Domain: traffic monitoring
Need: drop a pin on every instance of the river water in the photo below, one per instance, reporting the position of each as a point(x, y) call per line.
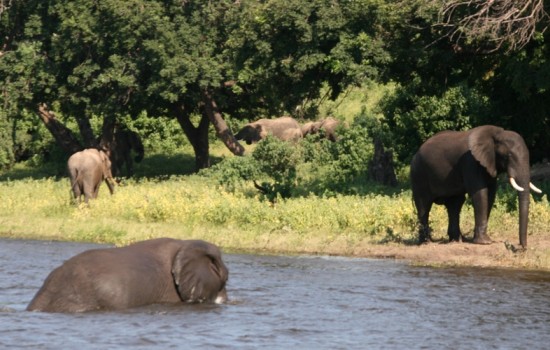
point(281, 302)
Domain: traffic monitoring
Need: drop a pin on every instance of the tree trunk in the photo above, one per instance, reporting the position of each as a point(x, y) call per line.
point(222, 131)
point(86, 131)
point(63, 136)
point(198, 136)
point(107, 139)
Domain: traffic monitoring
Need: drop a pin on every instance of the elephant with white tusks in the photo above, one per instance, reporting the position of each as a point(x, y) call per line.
point(87, 169)
point(452, 163)
point(283, 128)
point(162, 270)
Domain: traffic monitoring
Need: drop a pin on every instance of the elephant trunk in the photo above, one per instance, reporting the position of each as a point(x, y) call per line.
point(523, 198)
point(520, 181)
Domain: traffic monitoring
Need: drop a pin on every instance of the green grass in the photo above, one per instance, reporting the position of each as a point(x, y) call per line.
point(191, 206)
point(165, 198)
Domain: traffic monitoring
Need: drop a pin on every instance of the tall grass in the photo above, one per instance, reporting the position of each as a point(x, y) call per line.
point(195, 207)
point(321, 202)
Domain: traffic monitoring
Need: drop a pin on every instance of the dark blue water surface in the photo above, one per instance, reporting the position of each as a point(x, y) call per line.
point(280, 302)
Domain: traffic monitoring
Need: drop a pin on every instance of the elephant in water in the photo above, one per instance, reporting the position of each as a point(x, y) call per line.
point(284, 128)
point(87, 169)
point(162, 270)
point(452, 163)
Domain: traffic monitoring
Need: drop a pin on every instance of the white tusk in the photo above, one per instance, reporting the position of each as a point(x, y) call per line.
point(534, 188)
point(515, 185)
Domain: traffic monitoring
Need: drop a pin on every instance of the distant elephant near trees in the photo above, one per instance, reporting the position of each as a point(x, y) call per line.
point(121, 151)
point(327, 125)
point(284, 128)
point(311, 128)
point(87, 169)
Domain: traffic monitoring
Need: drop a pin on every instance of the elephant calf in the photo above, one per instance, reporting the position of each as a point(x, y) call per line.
point(87, 169)
point(162, 270)
point(284, 128)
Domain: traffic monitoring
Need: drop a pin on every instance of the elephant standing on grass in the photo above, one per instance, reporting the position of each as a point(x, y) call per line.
point(87, 169)
point(162, 270)
point(124, 142)
point(284, 128)
point(451, 163)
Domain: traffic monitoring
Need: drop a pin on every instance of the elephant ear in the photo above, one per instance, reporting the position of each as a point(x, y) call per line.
point(198, 272)
point(481, 143)
point(106, 162)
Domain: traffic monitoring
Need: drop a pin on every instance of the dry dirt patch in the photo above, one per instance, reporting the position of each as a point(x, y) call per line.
point(500, 254)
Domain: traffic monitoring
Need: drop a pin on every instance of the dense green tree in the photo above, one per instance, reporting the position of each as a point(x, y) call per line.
point(444, 83)
point(202, 62)
point(245, 58)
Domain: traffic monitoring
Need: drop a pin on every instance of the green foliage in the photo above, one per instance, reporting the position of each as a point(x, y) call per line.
point(279, 160)
point(6, 144)
point(234, 172)
point(413, 118)
point(159, 134)
point(117, 59)
point(194, 207)
point(337, 167)
point(303, 45)
point(312, 166)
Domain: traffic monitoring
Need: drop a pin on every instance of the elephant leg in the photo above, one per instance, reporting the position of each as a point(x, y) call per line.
point(491, 194)
point(423, 208)
point(454, 206)
point(96, 190)
point(77, 191)
point(481, 199)
point(89, 191)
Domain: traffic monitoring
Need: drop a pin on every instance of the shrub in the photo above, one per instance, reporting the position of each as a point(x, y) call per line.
point(312, 166)
point(278, 161)
point(233, 172)
point(414, 116)
point(159, 134)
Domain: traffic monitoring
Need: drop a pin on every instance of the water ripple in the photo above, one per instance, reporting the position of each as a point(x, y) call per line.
point(295, 302)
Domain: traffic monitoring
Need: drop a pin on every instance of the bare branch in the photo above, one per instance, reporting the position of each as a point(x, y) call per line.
point(493, 24)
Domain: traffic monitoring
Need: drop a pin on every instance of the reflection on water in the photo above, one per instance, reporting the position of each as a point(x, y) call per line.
point(305, 302)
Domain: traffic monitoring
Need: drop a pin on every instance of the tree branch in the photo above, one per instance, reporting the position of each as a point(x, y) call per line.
point(63, 135)
point(216, 118)
point(493, 24)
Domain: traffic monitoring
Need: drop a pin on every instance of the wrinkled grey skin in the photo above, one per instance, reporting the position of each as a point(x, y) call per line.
point(284, 128)
point(87, 169)
point(451, 164)
point(162, 270)
point(328, 126)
